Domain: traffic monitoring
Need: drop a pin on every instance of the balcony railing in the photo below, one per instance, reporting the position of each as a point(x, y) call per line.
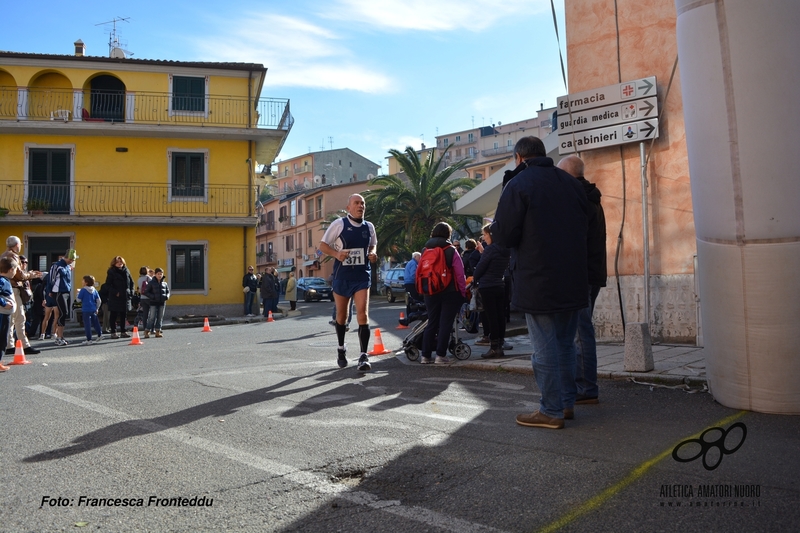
point(265, 258)
point(497, 151)
point(141, 199)
point(143, 107)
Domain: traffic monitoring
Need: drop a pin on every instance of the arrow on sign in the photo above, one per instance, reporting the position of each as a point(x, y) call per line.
point(648, 106)
point(648, 129)
point(647, 86)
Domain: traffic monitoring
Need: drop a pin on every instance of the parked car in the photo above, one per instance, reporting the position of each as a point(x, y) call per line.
point(313, 289)
point(393, 283)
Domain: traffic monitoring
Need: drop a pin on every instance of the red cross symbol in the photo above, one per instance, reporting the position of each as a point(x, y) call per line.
point(627, 90)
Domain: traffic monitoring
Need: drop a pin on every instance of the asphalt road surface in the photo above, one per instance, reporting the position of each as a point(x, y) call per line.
point(253, 427)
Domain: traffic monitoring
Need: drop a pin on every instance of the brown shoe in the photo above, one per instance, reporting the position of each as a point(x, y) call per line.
point(146, 334)
point(124, 335)
point(586, 400)
point(569, 414)
point(539, 420)
point(158, 334)
point(493, 353)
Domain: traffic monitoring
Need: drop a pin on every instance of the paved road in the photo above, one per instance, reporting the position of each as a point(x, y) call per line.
point(257, 422)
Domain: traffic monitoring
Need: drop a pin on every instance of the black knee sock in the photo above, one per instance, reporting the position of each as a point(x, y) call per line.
point(363, 337)
point(340, 331)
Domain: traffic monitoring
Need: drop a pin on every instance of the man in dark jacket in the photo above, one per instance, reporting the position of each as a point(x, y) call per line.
point(249, 282)
point(543, 216)
point(586, 367)
point(269, 293)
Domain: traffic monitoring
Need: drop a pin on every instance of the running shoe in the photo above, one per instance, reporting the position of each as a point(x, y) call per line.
point(363, 363)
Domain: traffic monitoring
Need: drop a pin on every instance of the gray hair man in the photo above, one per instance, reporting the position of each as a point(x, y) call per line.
point(22, 295)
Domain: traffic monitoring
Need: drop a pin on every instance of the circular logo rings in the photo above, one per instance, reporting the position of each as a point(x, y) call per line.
point(706, 446)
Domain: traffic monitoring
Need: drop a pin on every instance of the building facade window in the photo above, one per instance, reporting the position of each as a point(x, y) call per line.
point(189, 94)
point(289, 243)
point(458, 138)
point(188, 174)
point(48, 185)
point(310, 238)
point(188, 266)
point(470, 137)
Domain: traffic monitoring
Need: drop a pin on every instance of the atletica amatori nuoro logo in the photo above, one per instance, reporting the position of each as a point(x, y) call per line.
point(687, 451)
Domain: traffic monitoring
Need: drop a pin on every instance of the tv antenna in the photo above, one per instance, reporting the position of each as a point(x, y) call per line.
point(114, 47)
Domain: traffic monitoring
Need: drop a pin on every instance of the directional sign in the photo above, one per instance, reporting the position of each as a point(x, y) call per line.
point(616, 114)
point(609, 115)
point(621, 92)
point(609, 136)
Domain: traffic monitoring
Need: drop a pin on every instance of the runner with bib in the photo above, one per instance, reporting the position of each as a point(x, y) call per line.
point(351, 241)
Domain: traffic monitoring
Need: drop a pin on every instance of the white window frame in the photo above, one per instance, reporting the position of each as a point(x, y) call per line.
point(204, 244)
point(66, 146)
point(203, 198)
point(173, 112)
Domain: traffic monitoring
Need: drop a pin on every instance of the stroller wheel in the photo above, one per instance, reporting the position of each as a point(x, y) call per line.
point(413, 353)
point(462, 351)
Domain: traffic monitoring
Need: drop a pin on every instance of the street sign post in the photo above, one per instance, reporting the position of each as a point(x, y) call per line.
point(608, 116)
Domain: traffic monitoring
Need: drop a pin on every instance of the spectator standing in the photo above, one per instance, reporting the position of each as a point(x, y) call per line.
point(269, 292)
point(50, 309)
point(22, 295)
point(585, 342)
point(37, 308)
point(543, 215)
point(145, 275)
point(469, 248)
point(250, 285)
point(489, 277)
point(291, 291)
point(409, 281)
point(158, 293)
point(90, 302)
point(120, 291)
point(443, 306)
point(8, 267)
point(60, 291)
point(104, 308)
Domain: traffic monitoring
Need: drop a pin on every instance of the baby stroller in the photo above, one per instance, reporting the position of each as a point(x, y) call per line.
point(412, 344)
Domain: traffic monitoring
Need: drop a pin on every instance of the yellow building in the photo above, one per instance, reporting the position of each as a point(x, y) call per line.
point(148, 159)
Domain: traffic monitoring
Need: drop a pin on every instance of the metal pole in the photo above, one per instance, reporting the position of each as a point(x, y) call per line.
point(645, 236)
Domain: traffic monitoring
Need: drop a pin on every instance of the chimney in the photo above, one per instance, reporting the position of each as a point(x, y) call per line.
point(80, 48)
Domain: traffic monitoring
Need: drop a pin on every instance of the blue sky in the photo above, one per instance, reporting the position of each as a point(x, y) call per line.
point(371, 74)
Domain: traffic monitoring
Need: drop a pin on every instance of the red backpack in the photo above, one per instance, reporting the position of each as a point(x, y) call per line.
point(433, 274)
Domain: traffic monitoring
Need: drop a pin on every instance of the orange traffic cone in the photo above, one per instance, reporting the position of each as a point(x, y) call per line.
point(206, 327)
point(378, 349)
point(135, 340)
point(402, 319)
point(269, 317)
point(19, 355)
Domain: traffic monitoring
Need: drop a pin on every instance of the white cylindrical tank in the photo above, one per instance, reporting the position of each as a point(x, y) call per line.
point(740, 76)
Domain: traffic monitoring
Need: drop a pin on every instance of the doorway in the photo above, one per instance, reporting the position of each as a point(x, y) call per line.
point(42, 252)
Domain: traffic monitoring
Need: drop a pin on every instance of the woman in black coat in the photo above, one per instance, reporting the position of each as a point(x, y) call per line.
point(120, 290)
point(489, 276)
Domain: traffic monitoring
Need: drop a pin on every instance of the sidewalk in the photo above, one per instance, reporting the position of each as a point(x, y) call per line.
point(674, 364)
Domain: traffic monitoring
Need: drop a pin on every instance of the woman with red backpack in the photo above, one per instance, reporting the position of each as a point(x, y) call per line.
point(441, 281)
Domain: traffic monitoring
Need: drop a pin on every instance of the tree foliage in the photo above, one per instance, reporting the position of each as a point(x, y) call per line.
point(404, 210)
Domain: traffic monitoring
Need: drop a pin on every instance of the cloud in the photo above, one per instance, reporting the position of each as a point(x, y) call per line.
point(427, 15)
point(296, 53)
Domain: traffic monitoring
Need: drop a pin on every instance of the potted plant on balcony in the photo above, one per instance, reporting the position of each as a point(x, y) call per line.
point(36, 206)
point(4, 211)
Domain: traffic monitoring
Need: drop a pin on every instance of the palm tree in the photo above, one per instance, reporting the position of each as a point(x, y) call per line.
point(405, 210)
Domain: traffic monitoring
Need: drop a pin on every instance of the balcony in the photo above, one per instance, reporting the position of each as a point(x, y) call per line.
point(288, 222)
point(92, 106)
point(265, 258)
point(158, 201)
point(502, 150)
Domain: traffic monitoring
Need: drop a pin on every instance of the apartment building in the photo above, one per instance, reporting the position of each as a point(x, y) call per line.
point(152, 160)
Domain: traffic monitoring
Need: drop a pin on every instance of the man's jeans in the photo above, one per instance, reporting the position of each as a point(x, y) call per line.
point(586, 346)
point(553, 359)
point(249, 297)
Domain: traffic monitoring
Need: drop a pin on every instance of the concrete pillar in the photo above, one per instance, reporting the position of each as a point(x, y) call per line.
point(740, 75)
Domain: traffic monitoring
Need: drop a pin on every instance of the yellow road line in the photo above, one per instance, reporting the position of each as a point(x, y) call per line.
point(634, 475)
